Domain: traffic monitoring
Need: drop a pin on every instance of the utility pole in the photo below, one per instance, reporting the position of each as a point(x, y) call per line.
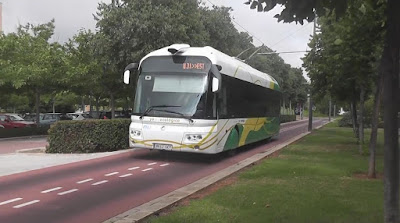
point(334, 110)
point(310, 106)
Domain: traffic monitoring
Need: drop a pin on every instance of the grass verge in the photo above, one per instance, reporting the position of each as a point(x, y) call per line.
point(316, 179)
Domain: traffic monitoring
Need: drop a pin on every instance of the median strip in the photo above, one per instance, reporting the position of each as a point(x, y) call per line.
point(110, 174)
point(50, 190)
point(84, 181)
point(26, 204)
point(100, 182)
point(10, 201)
point(67, 192)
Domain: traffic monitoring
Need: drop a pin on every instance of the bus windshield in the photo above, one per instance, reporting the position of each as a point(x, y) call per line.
point(177, 92)
point(169, 83)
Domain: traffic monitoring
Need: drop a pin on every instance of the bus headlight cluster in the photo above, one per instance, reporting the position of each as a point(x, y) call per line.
point(136, 133)
point(193, 137)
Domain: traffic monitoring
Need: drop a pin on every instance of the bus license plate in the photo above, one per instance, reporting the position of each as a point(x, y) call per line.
point(162, 146)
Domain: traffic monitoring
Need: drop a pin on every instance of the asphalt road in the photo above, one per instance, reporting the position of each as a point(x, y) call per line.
point(11, 145)
point(98, 189)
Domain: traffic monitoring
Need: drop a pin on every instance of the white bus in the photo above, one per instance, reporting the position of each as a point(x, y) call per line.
point(198, 99)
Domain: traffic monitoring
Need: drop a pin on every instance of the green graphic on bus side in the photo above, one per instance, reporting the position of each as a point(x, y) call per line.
point(253, 130)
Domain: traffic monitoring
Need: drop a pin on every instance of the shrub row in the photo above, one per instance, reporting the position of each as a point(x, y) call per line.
point(17, 132)
point(288, 118)
point(88, 136)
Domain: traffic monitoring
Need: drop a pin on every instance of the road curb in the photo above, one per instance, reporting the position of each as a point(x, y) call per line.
point(23, 137)
point(145, 210)
point(32, 150)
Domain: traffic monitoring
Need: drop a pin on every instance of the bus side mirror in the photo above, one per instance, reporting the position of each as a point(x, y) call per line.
point(216, 79)
point(215, 84)
point(127, 72)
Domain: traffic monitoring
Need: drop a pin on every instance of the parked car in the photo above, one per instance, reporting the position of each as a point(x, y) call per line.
point(79, 116)
point(14, 121)
point(45, 119)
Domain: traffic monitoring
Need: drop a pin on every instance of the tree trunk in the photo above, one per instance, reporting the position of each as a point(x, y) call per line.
point(330, 109)
point(310, 111)
point(112, 104)
point(391, 92)
point(334, 111)
point(83, 104)
point(53, 103)
point(90, 105)
point(353, 110)
point(97, 107)
point(37, 105)
point(374, 127)
point(361, 120)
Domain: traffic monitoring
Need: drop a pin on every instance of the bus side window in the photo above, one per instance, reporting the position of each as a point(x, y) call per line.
point(223, 102)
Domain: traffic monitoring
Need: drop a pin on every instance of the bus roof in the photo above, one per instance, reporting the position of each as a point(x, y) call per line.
point(231, 66)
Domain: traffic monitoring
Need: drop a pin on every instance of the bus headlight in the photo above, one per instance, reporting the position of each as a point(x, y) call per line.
point(193, 137)
point(136, 133)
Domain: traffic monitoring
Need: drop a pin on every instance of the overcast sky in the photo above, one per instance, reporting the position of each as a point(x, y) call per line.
point(72, 15)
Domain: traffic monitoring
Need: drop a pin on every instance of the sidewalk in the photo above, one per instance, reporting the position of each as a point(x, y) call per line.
point(21, 162)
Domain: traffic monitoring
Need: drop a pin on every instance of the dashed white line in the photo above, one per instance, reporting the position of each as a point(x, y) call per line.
point(110, 174)
point(150, 164)
point(134, 168)
point(126, 175)
point(26, 204)
point(84, 181)
point(165, 164)
point(67, 192)
point(100, 182)
point(50, 190)
point(147, 169)
point(10, 201)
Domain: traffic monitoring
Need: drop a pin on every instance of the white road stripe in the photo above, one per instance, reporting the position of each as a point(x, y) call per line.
point(110, 174)
point(84, 181)
point(134, 168)
point(26, 204)
point(67, 192)
point(50, 190)
point(150, 164)
point(165, 164)
point(147, 169)
point(100, 182)
point(126, 175)
point(10, 201)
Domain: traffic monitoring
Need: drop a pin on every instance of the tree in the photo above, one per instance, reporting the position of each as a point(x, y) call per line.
point(305, 10)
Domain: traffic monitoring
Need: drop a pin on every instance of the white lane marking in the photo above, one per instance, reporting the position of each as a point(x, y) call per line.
point(84, 181)
point(50, 190)
point(67, 192)
point(126, 175)
point(100, 182)
point(151, 164)
point(165, 164)
point(110, 174)
point(147, 169)
point(10, 201)
point(134, 168)
point(26, 204)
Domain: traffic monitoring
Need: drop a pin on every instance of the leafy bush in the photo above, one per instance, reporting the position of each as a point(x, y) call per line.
point(288, 118)
point(88, 136)
point(17, 132)
point(346, 120)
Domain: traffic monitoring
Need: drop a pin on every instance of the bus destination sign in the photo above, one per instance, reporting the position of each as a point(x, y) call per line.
point(193, 66)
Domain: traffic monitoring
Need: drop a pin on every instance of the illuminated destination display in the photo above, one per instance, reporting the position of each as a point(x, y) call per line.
point(193, 66)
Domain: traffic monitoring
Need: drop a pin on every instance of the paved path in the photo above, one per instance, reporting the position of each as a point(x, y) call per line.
point(12, 145)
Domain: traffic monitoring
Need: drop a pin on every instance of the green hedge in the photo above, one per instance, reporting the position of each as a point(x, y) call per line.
point(18, 132)
point(288, 118)
point(88, 136)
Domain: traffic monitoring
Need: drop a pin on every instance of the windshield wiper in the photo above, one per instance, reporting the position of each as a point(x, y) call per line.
point(174, 112)
point(157, 106)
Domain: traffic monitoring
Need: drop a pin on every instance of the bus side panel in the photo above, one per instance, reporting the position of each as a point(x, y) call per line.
point(254, 129)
